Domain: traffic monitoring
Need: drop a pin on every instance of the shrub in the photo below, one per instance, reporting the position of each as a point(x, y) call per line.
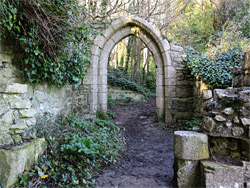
point(214, 70)
point(121, 79)
point(52, 37)
point(76, 149)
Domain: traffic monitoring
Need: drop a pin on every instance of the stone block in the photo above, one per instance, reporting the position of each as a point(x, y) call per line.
point(207, 94)
point(208, 124)
point(218, 175)
point(245, 121)
point(30, 122)
point(18, 159)
point(176, 48)
point(16, 88)
point(20, 104)
point(170, 72)
point(18, 126)
point(3, 108)
point(117, 37)
point(5, 139)
point(228, 111)
point(237, 131)
point(187, 173)
point(7, 118)
point(246, 166)
point(183, 92)
point(99, 41)
point(29, 113)
point(153, 48)
point(220, 118)
point(190, 145)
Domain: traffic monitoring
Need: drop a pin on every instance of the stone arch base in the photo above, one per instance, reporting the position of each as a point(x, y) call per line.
point(160, 48)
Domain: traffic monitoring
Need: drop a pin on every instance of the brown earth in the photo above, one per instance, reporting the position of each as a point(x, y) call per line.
point(148, 160)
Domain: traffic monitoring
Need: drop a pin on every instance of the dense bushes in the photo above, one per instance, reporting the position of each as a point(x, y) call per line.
point(214, 70)
point(52, 36)
point(119, 78)
point(76, 148)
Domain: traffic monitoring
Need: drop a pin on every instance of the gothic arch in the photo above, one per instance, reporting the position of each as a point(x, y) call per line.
point(103, 45)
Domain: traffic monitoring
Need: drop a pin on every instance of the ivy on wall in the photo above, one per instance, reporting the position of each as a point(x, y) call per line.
point(52, 36)
point(214, 70)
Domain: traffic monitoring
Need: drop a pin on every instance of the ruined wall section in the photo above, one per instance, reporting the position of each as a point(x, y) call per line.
point(182, 103)
point(22, 105)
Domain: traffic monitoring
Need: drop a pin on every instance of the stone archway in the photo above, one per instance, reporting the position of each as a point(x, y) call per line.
point(103, 45)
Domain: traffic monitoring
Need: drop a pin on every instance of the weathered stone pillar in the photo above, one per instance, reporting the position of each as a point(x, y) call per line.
point(189, 148)
point(246, 69)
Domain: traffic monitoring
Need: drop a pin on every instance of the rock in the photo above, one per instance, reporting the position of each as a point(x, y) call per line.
point(31, 122)
point(237, 131)
point(29, 113)
point(246, 166)
point(19, 125)
point(16, 88)
point(190, 145)
point(5, 139)
point(236, 119)
point(220, 118)
point(245, 121)
point(197, 128)
point(211, 106)
point(187, 173)
point(228, 111)
point(18, 159)
point(207, 94)
point(7, 118)
point(3, 108)
point(29, 133)
point(20, 104)
point(208, 124)
point(229, 124)
point(17, 138)
point(216, 175)
point(143, 117)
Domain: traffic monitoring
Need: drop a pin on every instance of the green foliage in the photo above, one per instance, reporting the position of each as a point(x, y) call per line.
point(52, 36)
point(76, 149)
point(121, 101)
point(193, 123)
point(214, 71)
point(150, 81)
point(121, 79)
point(210, 24)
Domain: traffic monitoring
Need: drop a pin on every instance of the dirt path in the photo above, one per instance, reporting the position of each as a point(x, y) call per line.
point(148, 161)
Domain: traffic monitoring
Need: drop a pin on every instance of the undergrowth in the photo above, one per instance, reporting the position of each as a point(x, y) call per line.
point(119, 78)
point(76, 149)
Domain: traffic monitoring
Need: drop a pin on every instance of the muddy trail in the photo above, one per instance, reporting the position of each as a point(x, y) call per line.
point(148, 160)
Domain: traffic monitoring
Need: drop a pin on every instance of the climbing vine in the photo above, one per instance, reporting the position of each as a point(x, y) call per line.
point(52, 36)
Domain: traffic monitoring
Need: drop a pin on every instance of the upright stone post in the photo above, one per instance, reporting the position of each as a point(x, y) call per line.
point(189, 148)
point(246, 69)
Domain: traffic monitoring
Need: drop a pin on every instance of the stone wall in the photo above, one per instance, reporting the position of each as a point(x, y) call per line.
point(22, 104)
point(181, 103)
